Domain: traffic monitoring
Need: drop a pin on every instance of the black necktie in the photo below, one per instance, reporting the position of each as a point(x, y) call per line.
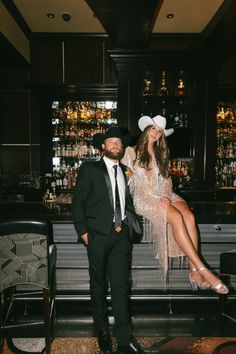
point(118, 218)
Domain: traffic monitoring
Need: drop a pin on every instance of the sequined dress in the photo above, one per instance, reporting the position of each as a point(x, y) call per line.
point(147, 187)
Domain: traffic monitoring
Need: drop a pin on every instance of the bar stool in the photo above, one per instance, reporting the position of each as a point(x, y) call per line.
point(27, 277)
point(227, 271)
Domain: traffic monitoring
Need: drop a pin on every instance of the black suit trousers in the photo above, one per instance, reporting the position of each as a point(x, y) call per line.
point(109, 260)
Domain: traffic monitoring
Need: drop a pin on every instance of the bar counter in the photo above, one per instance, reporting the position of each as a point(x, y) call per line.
point(205, 211)
point(52, 211)
point(217, 228)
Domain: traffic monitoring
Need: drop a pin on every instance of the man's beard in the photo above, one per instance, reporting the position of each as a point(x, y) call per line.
point(113, 155)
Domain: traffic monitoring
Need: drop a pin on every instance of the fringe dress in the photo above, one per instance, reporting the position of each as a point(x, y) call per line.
point(147, 188)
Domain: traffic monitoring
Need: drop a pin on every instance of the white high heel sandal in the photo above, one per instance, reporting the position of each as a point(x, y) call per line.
point(203, 286)
point(219, 288)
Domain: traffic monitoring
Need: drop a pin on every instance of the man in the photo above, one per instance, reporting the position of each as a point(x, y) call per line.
point(96, 211)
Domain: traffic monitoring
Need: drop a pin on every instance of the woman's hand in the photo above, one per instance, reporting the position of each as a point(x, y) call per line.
point(165, 202)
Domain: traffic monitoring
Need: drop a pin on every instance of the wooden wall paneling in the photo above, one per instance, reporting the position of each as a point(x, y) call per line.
point(14, 78)
point(210, 129)
point(227, 72)
point(84, 61)
point(14, 118)
point(129, 72)
point(199, 136)
point(18, 160)
point(110, 70)
point(46, 152)
point(128, 100)
point(34, 119)
point(35, 160)
point(46, 61)
point(205, 125)
point(15, 162)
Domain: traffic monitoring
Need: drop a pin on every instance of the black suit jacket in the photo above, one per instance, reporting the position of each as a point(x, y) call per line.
point(92, 204)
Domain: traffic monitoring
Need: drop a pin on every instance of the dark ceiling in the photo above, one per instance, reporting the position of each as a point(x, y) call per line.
point(129, 25)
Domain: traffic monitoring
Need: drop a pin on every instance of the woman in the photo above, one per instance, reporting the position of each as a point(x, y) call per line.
point(175, 231)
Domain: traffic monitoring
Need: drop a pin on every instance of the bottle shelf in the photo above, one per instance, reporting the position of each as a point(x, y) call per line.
point(74, 123)
point(226, 159)
point(178, 110)
point(68, 159)
point(68, 139)
point(185, 99)
point(225, 166)
point(227, 124)
point(170, 92)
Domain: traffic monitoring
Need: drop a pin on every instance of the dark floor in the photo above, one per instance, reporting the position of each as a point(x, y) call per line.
point(195, 317)
point(150, 318)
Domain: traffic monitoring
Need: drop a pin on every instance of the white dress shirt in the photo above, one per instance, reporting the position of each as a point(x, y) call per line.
point(120, 181)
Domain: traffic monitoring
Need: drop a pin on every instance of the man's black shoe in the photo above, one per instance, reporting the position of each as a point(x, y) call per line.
point(131, 348)
point(104, 342)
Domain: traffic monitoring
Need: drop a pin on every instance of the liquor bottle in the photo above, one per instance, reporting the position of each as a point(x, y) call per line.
point(229, 115)
point(181, 120)
point(234, 182)
point(54, 194)
point(61, 130)
point(186, 120)
point(163, 112)
point(46, 195)
point(180, 88)
point(67, 131)
point(220, 116)
point(147, 91)
point(56, 130)
point(176, 119)
point(163, 89)
point(75, 113)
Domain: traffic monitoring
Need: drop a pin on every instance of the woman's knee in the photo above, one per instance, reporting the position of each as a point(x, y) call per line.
point(186, 213)
point(189, 217)
point(174, 216)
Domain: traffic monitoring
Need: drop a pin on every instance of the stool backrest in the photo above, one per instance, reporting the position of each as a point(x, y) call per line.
point(24, 250)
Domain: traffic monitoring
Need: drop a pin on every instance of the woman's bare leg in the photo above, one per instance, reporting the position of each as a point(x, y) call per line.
point(187, 245)
point(191, 227)
point(189, 221)
point(181, 235)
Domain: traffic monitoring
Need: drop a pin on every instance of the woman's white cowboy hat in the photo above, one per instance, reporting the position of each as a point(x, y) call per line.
point(160, 121)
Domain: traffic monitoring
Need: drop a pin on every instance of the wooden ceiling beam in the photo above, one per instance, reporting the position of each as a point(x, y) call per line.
point(128, 23)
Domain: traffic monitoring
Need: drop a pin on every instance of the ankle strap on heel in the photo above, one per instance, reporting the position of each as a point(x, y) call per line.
point(193, 269)
point(201, 269)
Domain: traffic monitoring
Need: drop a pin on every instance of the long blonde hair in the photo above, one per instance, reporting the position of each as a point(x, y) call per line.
point(161, 153)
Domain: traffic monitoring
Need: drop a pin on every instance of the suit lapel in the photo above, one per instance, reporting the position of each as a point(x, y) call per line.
point(123, 168)
point(108, 182)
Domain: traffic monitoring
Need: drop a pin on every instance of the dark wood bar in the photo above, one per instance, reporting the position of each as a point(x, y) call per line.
point(216, 221)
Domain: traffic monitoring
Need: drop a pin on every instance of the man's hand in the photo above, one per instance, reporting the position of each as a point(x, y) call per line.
point(84, 238)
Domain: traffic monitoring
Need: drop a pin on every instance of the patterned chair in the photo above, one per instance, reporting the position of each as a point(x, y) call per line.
point(27, 275)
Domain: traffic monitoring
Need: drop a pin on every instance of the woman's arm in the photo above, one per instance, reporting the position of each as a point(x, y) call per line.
point(167, 187)
point(129, 157)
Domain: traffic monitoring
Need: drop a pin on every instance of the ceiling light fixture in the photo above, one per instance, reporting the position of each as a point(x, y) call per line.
point(169, 16)
point(66, 16)
point(50, 15)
